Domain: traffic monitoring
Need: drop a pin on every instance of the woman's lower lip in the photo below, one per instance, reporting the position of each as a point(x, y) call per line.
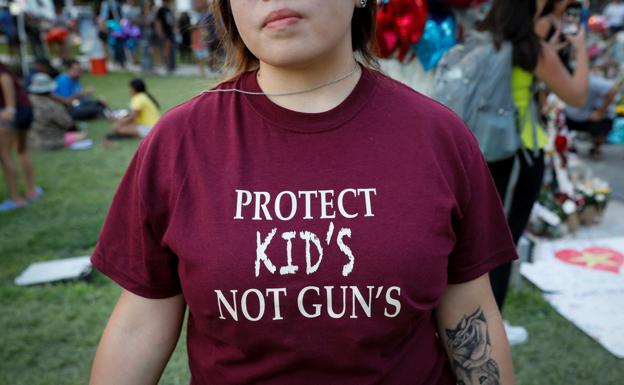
point(281, 23)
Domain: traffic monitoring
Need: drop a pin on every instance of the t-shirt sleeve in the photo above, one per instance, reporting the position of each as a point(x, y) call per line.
point(482, 237)
point(130, 249)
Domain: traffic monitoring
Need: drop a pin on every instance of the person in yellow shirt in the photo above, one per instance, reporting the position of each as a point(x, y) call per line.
point(143, 115)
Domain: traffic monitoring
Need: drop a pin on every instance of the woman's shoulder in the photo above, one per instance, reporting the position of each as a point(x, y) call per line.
point(140, 96)
point(212, 101)
point(203, 110)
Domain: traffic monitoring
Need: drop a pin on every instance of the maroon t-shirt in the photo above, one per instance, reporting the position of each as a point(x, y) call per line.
point(310, 248)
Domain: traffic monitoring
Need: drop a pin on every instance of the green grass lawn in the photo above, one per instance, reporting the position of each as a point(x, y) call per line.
point(49, 333)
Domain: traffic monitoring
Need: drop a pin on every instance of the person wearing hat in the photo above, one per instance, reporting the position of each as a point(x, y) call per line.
point(41, 65)
point(52, 127)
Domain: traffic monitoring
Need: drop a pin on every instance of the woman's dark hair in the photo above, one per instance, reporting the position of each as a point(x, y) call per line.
point(240, 59)
point(138, 85)
point(512, 21)
point(550, 7)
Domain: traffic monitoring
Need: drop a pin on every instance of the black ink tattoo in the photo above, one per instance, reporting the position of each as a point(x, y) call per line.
point(471, 352)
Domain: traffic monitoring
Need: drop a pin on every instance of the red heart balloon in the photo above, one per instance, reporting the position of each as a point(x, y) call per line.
point(400, 24)
point(387, 39)
point(595, 258)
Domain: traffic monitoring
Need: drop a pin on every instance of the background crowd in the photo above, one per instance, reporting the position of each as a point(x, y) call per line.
point(142, 34)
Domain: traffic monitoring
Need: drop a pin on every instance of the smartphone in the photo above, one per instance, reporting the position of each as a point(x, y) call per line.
point(572, 19)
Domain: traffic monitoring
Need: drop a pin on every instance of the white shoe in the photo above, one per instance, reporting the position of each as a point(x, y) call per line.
point(516, 334)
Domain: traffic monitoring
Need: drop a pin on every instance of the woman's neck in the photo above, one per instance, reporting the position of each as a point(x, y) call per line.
point(279, 80)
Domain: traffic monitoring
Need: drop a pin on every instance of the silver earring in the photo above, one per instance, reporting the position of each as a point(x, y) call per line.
point(363, 3)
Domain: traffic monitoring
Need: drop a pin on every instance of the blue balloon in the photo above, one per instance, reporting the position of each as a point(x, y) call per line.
point(438, 38)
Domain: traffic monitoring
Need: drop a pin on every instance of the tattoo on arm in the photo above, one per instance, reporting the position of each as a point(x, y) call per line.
point(471, 352)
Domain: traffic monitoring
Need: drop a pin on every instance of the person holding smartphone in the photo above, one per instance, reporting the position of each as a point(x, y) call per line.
point(321, 222)
point(534, 60)
point(560, 19)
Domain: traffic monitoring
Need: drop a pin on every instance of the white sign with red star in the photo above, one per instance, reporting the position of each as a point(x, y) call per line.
point(584, 281)
point(578, 266)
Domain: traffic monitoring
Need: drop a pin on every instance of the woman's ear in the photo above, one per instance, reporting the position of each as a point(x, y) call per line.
point(361, 3)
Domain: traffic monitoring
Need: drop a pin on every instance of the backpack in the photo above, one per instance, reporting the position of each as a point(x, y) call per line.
point(474, 80)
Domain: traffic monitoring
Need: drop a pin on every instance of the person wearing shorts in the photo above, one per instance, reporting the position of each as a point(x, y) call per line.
point(16, 116)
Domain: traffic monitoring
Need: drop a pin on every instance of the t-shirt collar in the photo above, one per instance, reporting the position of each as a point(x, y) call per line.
point(309, 122)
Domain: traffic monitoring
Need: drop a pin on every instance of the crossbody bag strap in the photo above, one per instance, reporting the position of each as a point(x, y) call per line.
point(533, 115)
point(517, 163)
point(530, 113)
point(511, 184)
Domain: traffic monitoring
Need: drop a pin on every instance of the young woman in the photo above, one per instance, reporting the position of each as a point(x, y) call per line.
point(16, 116)
point(322, 223)
point(143, 113)
point(533, 60)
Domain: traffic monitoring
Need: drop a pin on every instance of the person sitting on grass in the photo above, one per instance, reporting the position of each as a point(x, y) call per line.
point(143, 114)
point(52, 127)
point(80, 102)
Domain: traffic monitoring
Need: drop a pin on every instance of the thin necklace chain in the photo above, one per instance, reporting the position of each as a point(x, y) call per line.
point(343, 77)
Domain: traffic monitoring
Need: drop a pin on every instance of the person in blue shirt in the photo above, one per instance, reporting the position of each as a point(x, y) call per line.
point(68, 84)
point(79, 100)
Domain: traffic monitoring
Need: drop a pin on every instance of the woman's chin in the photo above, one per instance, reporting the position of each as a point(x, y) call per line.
point(287, 60)
point(299, 56)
